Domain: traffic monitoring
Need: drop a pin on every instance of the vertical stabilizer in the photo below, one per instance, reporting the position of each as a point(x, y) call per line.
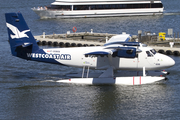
point(20, 37)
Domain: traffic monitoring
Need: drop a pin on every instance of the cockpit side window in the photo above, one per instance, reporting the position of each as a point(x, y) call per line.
point(153, 51)
point(149, 54)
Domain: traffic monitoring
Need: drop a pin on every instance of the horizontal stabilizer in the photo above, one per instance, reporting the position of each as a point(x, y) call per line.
point(26, 44)
point(23, 45)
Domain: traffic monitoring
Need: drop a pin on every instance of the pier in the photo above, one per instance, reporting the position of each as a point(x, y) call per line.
point(99, 39)
point(74, 39)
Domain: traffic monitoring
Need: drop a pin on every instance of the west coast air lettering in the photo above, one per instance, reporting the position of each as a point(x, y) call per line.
point(49, 56)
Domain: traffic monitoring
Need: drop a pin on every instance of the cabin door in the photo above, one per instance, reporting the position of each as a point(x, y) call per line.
point(128, 58)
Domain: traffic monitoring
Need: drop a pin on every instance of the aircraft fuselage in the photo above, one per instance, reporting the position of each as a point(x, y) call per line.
point(76, 57)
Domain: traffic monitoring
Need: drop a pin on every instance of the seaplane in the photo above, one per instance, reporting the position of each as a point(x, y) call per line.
point(116, 55)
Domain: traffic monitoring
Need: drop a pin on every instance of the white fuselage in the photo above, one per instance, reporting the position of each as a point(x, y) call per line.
point(76, 57)
point(117, 53)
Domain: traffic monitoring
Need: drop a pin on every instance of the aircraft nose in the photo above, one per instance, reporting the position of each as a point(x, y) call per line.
point(166, 61)
point(169, 61)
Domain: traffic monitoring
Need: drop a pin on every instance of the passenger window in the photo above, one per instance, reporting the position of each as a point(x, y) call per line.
point(129, 51)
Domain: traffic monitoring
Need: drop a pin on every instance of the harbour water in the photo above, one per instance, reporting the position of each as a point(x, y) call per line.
point(28, 90)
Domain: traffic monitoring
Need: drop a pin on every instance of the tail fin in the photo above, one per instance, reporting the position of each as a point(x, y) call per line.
point(20, 37)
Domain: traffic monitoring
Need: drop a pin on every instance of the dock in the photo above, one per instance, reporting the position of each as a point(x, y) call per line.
point(84, 39)
point(74, 39)
point(167, 50)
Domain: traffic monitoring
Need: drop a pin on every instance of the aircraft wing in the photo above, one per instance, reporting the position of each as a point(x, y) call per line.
point(118, 46)
point(124, 49)
point(102, 52)
point(122, 52)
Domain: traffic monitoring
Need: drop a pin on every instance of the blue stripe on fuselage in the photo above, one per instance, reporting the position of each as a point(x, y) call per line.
point(41, 56)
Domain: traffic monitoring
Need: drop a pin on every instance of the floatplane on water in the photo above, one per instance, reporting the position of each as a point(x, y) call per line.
point(116, 54)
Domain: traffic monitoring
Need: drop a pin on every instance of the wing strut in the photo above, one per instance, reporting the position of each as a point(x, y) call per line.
point(144, 71)
point(84, 67)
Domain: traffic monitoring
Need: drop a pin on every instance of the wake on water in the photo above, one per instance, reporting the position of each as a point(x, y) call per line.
point(173, 12)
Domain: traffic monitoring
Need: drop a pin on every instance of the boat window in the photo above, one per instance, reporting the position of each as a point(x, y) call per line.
point(113, 6)
point(155, 5)
point(120, 6)
point(149, 54)
point(59, 7)
point(116, 6)
point(100, 7)
point(153, 51)
point(92, 7)
point(124, 6)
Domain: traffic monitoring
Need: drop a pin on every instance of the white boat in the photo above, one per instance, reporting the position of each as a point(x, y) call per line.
point(100, 8)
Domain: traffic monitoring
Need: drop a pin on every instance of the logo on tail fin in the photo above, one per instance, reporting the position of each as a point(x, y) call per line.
point(17, 33)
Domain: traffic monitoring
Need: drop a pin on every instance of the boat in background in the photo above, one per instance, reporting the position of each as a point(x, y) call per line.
point(100, 8)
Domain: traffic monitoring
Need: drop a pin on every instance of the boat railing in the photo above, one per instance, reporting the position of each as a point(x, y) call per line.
point(45, 8)
point(39, 8)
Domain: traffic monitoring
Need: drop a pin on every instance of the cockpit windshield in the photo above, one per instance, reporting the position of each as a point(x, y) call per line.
point(153, 51)
point(149, 54)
